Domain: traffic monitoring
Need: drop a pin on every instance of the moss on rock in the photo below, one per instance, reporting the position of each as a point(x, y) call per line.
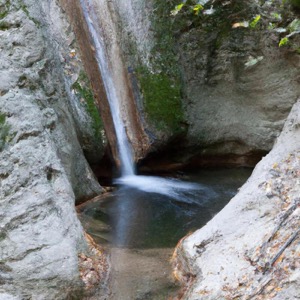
point(162, 100)
point(160, 83)
point(4, 131)
point(83, 88)
point(4, 9)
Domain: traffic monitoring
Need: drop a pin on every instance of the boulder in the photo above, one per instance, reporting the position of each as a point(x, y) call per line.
point(250, 250)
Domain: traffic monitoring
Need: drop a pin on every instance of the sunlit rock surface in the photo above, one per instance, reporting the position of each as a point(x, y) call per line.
point(42, 167)
point(250, 250)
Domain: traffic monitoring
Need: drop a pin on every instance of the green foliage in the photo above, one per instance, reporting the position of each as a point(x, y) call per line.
point(82, 87)
point(4, 8)
point(4, 26)
point(294, 26)
point(254, 22)
point(191, 5)
point(275, 15)
point(197, 8)
point(284, 41)
point(162, 100)
point(177, 9)
point(295, 3)
point(4, 131)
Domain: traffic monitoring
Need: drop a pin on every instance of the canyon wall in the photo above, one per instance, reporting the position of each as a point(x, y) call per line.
point(43, 169)
point(210, 93)
point(250, 250)
point(103, 20)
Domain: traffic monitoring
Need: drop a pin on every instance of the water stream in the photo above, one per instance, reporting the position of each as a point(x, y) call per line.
point(97, 34)
point(170, 187)
point(142, 228)
point(144, 218)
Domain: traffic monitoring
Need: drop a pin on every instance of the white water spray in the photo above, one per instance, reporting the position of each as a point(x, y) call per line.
point(151, 184)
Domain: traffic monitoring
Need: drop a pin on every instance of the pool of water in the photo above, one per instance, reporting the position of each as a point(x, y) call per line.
point(141, 226)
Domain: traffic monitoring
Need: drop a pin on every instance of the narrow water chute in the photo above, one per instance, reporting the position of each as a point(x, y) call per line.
point(124, 149)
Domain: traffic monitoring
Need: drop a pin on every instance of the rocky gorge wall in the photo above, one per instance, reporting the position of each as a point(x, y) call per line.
point(199, 98)
point(43, 169)
point(250, 250)
point(210, 93)
point(103, 20)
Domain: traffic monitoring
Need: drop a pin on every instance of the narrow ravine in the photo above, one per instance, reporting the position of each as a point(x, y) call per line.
point(125, 151)
point(112, 113)
point(143, 219)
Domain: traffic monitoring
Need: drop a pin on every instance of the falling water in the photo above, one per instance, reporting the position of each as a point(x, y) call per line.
point(150, 184)
point(141, 220)
point(124, 149)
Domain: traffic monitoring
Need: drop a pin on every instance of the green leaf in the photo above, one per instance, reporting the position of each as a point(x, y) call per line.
point(276, 16)
point(254, 22)
point(283, 41)
point(177, 9)
point(197, 8)
point(294, 25)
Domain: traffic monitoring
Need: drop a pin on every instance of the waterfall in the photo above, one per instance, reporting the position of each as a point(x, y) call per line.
point(172, 188)
point(124, 148)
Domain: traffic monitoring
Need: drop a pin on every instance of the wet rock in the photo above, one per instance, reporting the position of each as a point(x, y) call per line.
point(103, 18)
point(254, 241)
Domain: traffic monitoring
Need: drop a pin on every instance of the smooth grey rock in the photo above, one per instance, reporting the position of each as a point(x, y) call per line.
point(234, 255)
point(57, 30)
point(42, 166)
point(226, 101)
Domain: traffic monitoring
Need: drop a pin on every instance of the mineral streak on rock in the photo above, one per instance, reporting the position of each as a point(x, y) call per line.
point(130, 115)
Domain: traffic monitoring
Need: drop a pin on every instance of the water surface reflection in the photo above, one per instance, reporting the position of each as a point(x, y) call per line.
point(135, 217)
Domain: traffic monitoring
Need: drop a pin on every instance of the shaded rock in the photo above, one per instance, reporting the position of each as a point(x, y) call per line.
point(206, 89)
point(81, 102)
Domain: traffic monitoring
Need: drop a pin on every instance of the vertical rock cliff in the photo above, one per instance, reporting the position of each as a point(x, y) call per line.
point(210, 93)
point(42, 165)
point(104, 19)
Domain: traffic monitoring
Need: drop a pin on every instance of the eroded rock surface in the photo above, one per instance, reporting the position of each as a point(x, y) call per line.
point(239, 85)
point(250, 250)
point(222, 93)
point(42, 167)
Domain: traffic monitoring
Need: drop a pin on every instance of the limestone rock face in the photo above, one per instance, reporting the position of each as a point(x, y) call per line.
point(250, 250)
point(232, 106)
point(113, 70)
point(236, 86)
point(42, 166)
